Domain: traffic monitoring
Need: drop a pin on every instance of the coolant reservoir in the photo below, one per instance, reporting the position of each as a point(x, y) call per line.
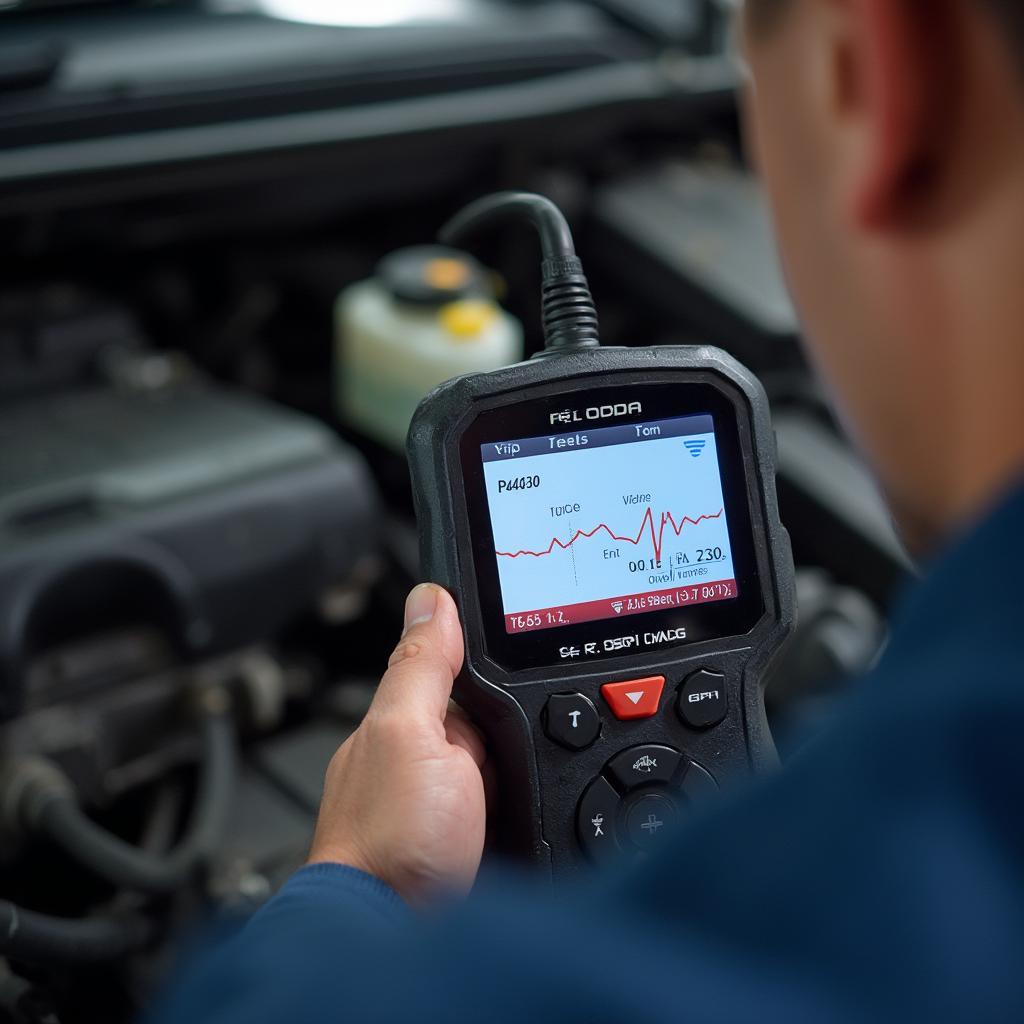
point(429, 314)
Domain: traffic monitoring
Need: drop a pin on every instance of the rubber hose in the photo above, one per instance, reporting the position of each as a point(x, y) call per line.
point(60, 819)
point(40, 938)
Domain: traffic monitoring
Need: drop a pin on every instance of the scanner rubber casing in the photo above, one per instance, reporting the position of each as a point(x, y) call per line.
point(540, 784)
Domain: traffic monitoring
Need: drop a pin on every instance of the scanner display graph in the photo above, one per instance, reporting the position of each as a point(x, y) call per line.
point(657, 536)
point(608, 522)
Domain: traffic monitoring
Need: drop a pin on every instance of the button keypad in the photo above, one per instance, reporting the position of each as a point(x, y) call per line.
point(702, 700)
point(595, 821)
point(649, 765)
point(637, 799)
point(571, 720)
point(649, 819)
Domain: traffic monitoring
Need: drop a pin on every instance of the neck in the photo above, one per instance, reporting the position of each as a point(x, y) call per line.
point(976, 429)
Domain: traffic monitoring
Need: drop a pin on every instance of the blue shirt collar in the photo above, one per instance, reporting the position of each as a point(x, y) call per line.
point(977, 583)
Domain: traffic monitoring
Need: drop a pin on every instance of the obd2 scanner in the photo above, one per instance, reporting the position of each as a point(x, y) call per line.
point(606, 520)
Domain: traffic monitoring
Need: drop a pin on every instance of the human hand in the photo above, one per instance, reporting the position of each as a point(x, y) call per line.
point(404, 795)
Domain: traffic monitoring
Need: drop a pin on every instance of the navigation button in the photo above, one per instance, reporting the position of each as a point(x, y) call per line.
point(637, 698)
point(571, 720)
point(648, 765)
point(595, 821)
point(649, 820)
point(698, 785)
point(702, 700)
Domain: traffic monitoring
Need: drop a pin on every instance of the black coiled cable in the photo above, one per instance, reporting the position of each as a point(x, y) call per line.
point(569, 315)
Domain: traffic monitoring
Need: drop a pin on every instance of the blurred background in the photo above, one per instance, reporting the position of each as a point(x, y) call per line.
point(216, 315)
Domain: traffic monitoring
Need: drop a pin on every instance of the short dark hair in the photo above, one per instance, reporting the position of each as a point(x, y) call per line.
point(764, 13)
point(1011, 12)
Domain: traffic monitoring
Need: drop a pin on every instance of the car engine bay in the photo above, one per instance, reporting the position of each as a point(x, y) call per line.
point(203, 551)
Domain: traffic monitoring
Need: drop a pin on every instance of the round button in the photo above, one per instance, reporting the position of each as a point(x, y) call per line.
point(571, 720)
point(698, 784)
point(702, 700)
point(647, 765)
point(595, 821)
point(647, 821)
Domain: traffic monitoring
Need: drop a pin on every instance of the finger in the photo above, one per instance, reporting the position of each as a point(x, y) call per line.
point(429, 655)
point(449, 627)
point(430, 611)
point(460, 732)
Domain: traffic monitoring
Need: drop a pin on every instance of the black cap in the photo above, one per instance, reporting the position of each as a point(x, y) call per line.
point(433, 275)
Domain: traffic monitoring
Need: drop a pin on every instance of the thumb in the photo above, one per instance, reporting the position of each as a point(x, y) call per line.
point(428, 657)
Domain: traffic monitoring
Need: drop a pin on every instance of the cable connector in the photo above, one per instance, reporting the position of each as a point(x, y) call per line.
point(569, 314)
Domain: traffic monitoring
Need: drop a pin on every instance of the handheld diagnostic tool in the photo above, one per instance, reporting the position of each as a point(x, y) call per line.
point(607, 522)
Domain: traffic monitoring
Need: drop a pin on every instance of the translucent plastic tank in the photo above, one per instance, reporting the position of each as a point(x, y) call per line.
point(429, 314)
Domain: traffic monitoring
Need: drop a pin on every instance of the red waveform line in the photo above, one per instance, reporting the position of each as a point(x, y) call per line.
point(657, 535)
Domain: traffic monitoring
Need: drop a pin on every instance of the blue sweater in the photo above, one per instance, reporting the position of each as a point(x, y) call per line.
point(880, 877)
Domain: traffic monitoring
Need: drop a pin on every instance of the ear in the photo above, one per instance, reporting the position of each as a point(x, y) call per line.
point(895, 74)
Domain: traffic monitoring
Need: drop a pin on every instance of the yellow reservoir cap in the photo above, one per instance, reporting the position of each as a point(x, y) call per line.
point(468, 318)
point(446, 274)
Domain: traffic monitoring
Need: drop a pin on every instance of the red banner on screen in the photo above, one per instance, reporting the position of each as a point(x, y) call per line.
point(620, 607)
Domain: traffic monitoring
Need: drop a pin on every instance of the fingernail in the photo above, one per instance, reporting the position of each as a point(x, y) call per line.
point(420, 605)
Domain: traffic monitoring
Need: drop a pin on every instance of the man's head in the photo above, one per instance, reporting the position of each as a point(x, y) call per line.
point(890, 134)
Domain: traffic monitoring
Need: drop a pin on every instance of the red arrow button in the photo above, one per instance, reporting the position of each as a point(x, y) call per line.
point(638, 698)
